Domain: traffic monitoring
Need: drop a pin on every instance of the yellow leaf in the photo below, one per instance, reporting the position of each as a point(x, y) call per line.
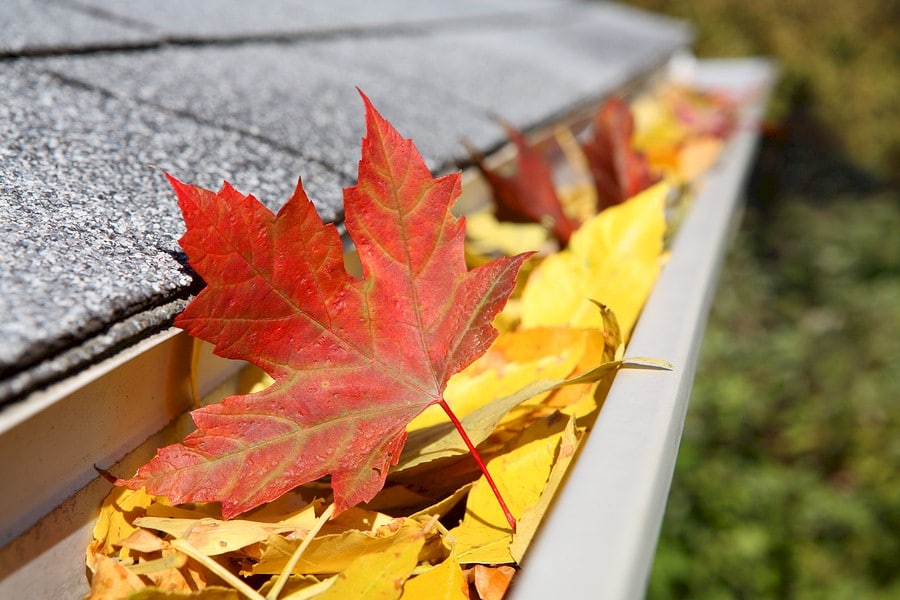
point(520, 473)
point(531, 518)
point(681, 130)
point(442, 440)
point(614, 258)
point(445, 505)
point(478, 543)
point(144, 541)
point(378, 575)
point(335, 552)
point(514, 360)
point(665, 159)
point(576, 191)
point(604, 345)
point(581, 401)
point(212, 536)
point(487, 236)
point(114, 523)
point(446, 581)
point(655, 125)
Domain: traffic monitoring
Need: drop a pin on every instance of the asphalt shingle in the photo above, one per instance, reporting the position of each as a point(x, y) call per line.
point(231, 19)
point(88, 230)
point(35, 26)
point(300, 95)
point(528, 74)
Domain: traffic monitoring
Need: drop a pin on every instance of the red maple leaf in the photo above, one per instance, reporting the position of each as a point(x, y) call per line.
point(354, 360)
point(619, 171)
point(528, 195)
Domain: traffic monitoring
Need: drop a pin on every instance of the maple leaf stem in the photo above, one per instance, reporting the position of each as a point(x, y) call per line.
point(490, 480)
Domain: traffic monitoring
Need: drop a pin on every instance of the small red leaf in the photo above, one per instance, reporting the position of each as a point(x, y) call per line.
point(353, 360)
point(528, 195)
point(619, 171)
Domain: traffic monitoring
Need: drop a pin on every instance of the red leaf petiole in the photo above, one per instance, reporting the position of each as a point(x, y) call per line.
point(462, 432)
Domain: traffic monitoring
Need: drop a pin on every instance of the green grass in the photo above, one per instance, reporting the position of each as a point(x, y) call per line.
point(788, 479)
point(786, 484)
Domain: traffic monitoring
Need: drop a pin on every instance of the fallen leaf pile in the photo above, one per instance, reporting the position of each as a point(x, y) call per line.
point(681, 130)
point(339, 470)
point(673, 134)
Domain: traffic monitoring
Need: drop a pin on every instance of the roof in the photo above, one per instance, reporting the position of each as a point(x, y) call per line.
point(100, 97)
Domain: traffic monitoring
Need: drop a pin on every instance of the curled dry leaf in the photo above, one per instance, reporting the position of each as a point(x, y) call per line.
point(115, 522)
point(143, 541)
point(488, 236)
point(533, 515)
point(213, 537)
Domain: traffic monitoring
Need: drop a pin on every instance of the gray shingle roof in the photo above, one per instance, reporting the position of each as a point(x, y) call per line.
point(96, 92)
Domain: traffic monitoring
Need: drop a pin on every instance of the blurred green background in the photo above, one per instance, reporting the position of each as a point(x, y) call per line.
point(788, 479)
